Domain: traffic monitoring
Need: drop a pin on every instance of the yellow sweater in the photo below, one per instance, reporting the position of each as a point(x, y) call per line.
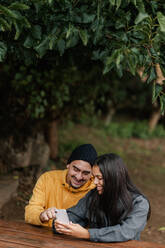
point(51, 190)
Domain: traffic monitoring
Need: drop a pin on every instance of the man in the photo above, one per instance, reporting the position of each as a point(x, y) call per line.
point(61, 188)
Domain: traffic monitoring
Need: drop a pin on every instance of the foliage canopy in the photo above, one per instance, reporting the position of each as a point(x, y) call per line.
point(123, 34)
point(45, 39)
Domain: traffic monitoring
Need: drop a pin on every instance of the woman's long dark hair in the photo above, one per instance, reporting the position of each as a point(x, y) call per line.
point(115, 202)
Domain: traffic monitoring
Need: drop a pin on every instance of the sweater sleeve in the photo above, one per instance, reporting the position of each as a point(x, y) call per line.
point(36, 204)
point(129, 228)
point(77, 213)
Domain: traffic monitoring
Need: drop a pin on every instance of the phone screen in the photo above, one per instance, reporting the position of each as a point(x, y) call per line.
point(62, 216)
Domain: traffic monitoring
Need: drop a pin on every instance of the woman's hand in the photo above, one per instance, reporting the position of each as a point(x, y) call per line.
point(72, 229)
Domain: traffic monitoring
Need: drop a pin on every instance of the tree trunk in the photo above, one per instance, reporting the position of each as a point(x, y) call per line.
point(156, 114)
point(37, 162)
point(53, 139)
point(155, 117)
point(109, 116)
point(29, 160)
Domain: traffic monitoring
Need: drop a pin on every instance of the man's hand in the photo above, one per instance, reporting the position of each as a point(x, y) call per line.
point(72, 229)
point(47, 214)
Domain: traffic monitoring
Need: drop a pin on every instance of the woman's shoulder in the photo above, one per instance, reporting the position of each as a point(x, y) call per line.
point(89, 195)
point(140, 201)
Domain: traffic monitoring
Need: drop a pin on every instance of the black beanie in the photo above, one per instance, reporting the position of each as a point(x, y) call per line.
point(84, 152)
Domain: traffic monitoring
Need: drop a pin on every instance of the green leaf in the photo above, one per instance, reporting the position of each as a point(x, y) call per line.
point(140, 6)
point(42, 47)
point(36, 32)
point(3, 50)
point(109, 63)
point(140, 17)
point(119, 71)
point(162, 104)
point(161, 20)
point(26, 22)
point(69, 31)
point(73, 41)
point(8, 12)
point(18, 29)
point(84, 36)
point(88, 18)
point(157, 88)
point(162, 69)
point(29, 42)
point(134, 2)
point(115, 2)
point(119, 59)
point(131, 64)
point(4, 25)
point(52, 42)
point(61, 46)
point(152, 75)
point(19, 6)
point(112, 2)
point(42, 93)
point(118, 3)
point(50, 1)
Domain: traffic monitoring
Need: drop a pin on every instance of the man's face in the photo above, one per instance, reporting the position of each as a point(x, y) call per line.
point(79, 172)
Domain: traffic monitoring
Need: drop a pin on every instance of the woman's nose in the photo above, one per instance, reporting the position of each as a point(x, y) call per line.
point(95, 180)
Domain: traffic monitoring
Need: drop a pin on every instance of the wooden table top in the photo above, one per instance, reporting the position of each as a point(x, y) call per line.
point(19, 235)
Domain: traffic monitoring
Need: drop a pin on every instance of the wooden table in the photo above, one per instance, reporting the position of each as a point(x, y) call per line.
point(19, 235)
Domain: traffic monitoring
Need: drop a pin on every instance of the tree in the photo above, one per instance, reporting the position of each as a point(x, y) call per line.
point(48, 48)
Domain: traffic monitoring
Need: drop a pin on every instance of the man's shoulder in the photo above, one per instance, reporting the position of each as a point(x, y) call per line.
point(54, 174)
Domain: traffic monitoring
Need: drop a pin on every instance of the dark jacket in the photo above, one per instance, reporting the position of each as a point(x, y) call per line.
point(129, 229)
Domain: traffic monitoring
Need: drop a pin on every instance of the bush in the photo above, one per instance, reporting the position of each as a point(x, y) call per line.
point(138, 129)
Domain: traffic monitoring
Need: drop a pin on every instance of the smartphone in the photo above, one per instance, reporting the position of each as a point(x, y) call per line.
point(62, 216)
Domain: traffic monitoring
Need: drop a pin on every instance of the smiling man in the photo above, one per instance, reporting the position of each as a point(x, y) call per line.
point(61, 188)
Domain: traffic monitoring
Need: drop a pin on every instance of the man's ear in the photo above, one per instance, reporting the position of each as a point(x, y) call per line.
point(67, 166)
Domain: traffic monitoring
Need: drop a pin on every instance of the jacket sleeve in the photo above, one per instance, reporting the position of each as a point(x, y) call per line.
point(129, 228)
point(77, 213)
point(36, 204)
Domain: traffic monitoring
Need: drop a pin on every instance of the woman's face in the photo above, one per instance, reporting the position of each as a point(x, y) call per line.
point(98, 179)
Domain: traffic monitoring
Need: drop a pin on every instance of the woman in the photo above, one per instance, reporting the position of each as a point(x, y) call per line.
point(115, 211)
